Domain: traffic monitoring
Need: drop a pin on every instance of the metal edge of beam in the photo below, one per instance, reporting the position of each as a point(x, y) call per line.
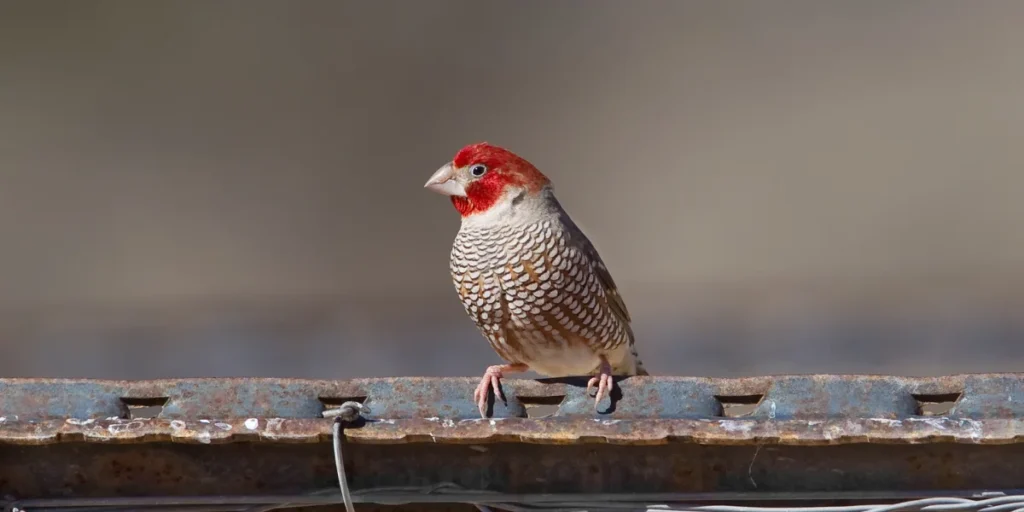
point(71, 471)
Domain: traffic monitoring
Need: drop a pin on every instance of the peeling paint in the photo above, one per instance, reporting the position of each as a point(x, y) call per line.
point(887, 421)
point(119, 428)
point(938, 423)
point(736, 425)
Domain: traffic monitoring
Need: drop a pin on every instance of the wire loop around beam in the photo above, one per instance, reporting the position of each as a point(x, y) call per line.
point(345, 415)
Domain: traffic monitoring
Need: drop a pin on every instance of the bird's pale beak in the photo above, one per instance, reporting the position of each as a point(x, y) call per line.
point(443, 182)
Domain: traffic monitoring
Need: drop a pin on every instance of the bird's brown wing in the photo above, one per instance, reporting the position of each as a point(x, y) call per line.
point(613, 300)
point(611, 292)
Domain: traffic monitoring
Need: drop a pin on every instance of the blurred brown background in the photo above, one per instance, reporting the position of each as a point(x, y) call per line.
point(234, 188)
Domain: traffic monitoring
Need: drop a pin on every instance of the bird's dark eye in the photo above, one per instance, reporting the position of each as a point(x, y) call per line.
point(478, 170)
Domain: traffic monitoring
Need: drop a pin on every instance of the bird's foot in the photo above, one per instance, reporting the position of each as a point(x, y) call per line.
point(492, 379)
point(603, 381)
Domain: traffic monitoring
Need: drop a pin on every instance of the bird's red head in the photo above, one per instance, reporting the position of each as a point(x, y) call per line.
point(482, 174)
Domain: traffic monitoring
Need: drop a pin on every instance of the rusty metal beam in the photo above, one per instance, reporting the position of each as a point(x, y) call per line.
point(820, 433)
point(792, 410)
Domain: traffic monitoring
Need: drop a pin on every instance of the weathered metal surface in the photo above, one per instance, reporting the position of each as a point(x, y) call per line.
point(544, 431)
point(798, 410)
point(170, 469)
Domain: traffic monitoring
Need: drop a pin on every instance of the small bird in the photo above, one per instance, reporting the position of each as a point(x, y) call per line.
point(529, 277)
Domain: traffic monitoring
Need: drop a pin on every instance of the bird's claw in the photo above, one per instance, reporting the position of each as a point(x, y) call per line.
point(604, 384)
point(491, 379)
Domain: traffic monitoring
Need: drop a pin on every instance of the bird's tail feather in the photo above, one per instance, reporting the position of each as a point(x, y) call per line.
point(637, 363)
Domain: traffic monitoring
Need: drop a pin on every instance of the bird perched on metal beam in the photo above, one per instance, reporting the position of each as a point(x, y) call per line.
point(529, 277)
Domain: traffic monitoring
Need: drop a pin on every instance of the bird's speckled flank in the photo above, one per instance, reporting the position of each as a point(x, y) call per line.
point(532, 288)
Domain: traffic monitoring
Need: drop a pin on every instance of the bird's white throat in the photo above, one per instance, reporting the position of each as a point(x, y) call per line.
point(515, 206)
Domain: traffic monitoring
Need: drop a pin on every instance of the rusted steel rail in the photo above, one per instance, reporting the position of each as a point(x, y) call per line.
point(816, 433)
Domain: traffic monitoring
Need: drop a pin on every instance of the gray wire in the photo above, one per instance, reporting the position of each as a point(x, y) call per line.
point(340, 465)
point(348, 413)
point(1008, 501)
point(906, 505)
point(450, 493)
point(999, 502)
point(1006, 507)
point(925, 505)
point(922, 505)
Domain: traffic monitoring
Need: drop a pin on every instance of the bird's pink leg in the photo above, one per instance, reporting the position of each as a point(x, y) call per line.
point(603, 381)
point(492, 379)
